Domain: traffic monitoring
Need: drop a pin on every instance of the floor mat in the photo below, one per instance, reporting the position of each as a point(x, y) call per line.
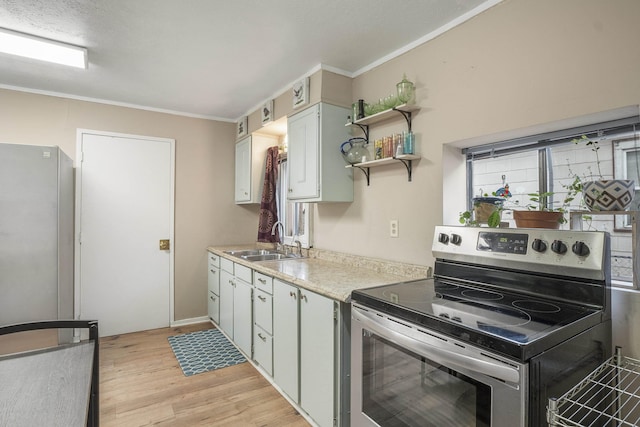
point(204, 351)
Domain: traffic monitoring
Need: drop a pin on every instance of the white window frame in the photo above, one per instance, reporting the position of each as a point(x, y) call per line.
point(300, 219)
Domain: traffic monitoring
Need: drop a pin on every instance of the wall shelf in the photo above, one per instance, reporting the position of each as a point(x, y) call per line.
point(405, 110)
point(405, 159)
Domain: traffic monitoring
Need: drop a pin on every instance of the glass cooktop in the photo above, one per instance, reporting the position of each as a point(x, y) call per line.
point(495, 319)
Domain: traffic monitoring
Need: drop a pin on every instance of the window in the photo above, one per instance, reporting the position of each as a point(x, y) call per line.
point(295, 217)
point(549, 163)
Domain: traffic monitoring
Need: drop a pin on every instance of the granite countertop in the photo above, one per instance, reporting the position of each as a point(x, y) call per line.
point(331, 274)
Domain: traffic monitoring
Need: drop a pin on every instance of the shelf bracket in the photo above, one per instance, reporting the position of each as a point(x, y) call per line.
point(364, 170)
point(407, 164)
point(365, 130)
point(407, 117)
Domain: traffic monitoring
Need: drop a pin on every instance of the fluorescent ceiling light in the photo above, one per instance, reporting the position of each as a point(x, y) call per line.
point(15, 43)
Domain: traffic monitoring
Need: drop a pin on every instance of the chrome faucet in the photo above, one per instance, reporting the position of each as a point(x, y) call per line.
point(299, 244)
point(279, 244)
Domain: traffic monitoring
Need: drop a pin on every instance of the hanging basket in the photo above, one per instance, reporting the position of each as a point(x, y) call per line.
point(608, 195)
point(537, 219)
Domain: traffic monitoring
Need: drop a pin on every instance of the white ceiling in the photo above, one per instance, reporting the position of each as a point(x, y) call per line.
point(215, 58)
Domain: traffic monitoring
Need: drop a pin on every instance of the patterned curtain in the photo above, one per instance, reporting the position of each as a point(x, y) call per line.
point(268, 205)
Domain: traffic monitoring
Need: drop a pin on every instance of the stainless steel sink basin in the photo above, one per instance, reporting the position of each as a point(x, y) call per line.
point(249, 252)
point(270, 257)
point(262, 254)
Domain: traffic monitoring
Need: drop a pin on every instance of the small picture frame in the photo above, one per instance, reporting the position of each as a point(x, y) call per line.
point(242, 127)
point(300, 92)
point(267, 112)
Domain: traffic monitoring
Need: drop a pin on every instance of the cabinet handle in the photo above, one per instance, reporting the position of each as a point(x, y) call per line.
point(261, 298)
point(212, 271)
point(212, 298)
point(262, 337)
point(292, 294)
point(291, 190)
point(303, 297)
point(263, 281)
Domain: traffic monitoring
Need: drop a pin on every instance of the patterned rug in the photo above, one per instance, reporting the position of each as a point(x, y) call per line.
point(204, 351)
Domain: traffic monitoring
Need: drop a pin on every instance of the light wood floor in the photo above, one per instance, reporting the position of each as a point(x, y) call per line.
point(141, 384)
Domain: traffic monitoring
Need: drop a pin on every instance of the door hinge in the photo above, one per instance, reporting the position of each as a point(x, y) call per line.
point(335, 313)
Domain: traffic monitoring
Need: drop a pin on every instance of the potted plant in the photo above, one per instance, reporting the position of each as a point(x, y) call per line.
point(605, 194)
point(538, 213)
point(486, 210)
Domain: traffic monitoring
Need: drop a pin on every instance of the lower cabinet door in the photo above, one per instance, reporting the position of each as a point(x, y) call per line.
point(213, 307)
point(317, 357)
point(263, 349)
point(285, 338)
point(242, 318)
point(226, 302)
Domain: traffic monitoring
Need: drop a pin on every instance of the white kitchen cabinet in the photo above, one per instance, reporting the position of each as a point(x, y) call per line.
point(305, 350)
point(250, 167)
point(316, 167)
point(226, 302)
point(213, 287)
point(285, 338)
point(317, 356)
point(235, 304)
point(242, 330)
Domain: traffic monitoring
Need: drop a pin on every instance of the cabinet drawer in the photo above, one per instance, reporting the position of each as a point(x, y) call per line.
point(213, 307)
point(213, 280)
point(263, 349)
point(263, 282)
point(243, 273)
point(226, 265)
point(263, 310)
point(214, 260)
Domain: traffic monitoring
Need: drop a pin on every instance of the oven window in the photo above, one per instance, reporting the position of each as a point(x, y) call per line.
point(401, 388)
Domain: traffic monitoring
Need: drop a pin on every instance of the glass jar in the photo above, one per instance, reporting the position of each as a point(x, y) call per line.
point(406, 91)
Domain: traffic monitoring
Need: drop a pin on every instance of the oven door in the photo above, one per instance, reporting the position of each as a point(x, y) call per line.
point(403, 375)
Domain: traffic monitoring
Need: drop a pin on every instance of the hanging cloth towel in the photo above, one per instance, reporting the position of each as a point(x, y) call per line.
point(268, 205)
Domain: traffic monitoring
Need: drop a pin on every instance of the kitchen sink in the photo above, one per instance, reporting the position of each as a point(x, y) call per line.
point(262, 255)
point(270, 257)
point(251, 252)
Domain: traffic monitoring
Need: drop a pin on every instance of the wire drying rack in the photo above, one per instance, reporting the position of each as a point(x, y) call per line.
point(608, 397)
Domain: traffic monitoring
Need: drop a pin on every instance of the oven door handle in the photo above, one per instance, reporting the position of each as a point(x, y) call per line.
point(440, 355)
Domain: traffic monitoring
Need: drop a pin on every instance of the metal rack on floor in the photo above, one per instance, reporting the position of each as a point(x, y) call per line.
point(609, 396)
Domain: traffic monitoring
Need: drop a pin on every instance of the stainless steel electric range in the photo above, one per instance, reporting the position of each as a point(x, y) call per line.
point(511, 317)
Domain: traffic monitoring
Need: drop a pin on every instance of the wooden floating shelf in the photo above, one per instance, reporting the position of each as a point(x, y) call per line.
point(384, 115)
point(405, 159)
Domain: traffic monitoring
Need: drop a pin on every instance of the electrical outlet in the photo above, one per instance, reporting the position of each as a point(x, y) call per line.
point(393, 228)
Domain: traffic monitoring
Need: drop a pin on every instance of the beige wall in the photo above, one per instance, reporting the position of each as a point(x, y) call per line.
point(519, 64)
point(205, 213)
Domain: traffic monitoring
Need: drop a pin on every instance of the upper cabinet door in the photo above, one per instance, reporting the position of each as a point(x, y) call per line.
point(316, 168)
point(304, 144)
point(251, 156)
point(243, 171)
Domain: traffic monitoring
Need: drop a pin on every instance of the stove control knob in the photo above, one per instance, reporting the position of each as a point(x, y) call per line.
point(443, 238)
point(456, 239)
point(559, 247)
point(539, 245)
point(580, 248)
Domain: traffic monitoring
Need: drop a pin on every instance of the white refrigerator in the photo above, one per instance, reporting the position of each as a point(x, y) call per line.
point(36, 233)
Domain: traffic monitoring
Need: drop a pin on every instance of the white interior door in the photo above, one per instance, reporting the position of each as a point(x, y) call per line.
point(125, 207)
